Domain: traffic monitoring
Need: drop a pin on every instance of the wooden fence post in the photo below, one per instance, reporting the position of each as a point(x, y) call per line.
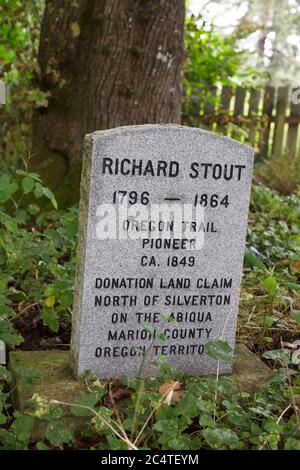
point(224, 108)
point(239, 104)
point(282, 97)
point(210, 105)
point(255, 119)
point(268, 106)
point(293, 126)
point(253, 114)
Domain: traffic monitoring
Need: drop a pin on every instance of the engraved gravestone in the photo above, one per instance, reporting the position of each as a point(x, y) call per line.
point(162, 227)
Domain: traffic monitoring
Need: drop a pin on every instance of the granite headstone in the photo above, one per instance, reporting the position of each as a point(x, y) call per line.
point(162, 227)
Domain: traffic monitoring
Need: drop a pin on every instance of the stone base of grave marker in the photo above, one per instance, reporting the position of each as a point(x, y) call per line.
point(57, 382)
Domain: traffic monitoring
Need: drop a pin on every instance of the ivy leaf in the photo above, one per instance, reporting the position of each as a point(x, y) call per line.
point(280, 355)
point(219, 350)
point(218, 437)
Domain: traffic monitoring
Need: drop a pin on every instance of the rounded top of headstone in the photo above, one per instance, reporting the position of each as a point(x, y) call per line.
point(163, 129)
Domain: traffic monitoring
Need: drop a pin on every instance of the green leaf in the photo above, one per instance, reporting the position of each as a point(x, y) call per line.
point(218, 437)
point(48, 193)
point(270, 284)
point(50, 301)
point(219, 350)
point(9, 222)
point(186, 406)
point(293, 286)
point(38, 190)
point(3, 419)
point(268, 321)
point(105, 413)
point(54, 203)
point(7, 187)
point(49, 318)
point(5, 374)
point(38, 97)
point(3, 255)
point(33, 209)
point(149, 328)
point(168, 318)
point(11, 225)
point(292, 444)
point(86, 400)
point(21, 172)
point(250, 259)
point(58, 434)
point(206, 420)
point(280, 355)
point(30, 174)
point(8, 334)
point(296, 315)
point(22, 426)
point(34, 176)
point(27, 184)
point(41, 446)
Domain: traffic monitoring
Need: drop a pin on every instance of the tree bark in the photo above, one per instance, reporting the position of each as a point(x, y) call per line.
point(103, 64)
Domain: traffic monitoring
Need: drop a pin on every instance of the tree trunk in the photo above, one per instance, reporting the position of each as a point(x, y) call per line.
point(103, 64)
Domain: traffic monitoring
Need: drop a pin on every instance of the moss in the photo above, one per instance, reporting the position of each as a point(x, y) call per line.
point(56, 383)
point(249, 370)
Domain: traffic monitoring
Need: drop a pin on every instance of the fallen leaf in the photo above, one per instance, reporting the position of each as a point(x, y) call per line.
point(171, 391)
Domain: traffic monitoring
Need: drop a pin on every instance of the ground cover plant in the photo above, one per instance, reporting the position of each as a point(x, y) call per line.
point(38, 256)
